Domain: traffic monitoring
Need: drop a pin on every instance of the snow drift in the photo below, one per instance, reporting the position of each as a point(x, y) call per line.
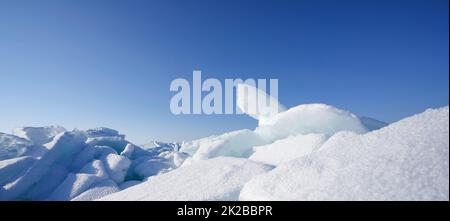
point(408, 160)
point(220, 178)
point(287, 149)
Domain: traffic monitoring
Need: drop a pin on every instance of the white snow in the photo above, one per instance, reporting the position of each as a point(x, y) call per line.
point(128, 151)
point(129, 183)
point(38, 135)
point(98, 191)
point(408, 160)
point(12, 146)
point(75, 184)
point(220, 178)
point(11, 169)
point(302, 119)
point(117, 166)
point(319, 152)
point(287, 149)
point(237, 144)
point(310, 118)
point(46, 173)
point(148, 166)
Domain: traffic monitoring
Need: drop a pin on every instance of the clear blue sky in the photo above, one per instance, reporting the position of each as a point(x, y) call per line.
point(109, 63)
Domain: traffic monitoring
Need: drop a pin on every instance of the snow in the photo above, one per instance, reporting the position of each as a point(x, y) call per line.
point(98, 191)
point(129, 183)
point(12, 146)
point(220, 178)
point(302, 119)
point(158, 159)
point(372, 124)
point(407, 160)
point(76, 165)
point(38, 135)
point(310, 118)
point(45, 173)
point(307, 152)
point(287, 149)
point(11, 169)
point(75, 184)
point(128, 151)
point(103, 132)
point(117, 166)
point(118, 143)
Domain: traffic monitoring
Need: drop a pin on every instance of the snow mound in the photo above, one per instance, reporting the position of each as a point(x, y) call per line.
point(288, 148)
point(310, 118)
point(98, 191)
point(217, 179)
point(117, 166)
point(302, 119)
point(45, 173)
point(75, 184)
point(407, 160)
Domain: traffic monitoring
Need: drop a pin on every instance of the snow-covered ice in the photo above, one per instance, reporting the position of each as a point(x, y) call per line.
point(307, 152)
point(220, 178)
point(287, 149)
point(302, 119)
point(235, 144)
point(310, 118)
point(78, 165)
point(408, 160)
point(117, 166)
point(13, 146)
point(98, 191)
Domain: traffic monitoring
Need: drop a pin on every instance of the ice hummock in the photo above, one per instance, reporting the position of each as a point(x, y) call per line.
point(300, 120)
point(281, 124)
point(75, 165)
point(13, 146)
point(38, 135)
point(27, 141)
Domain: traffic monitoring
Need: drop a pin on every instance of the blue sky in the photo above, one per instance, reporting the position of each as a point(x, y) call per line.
point(106, 63)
